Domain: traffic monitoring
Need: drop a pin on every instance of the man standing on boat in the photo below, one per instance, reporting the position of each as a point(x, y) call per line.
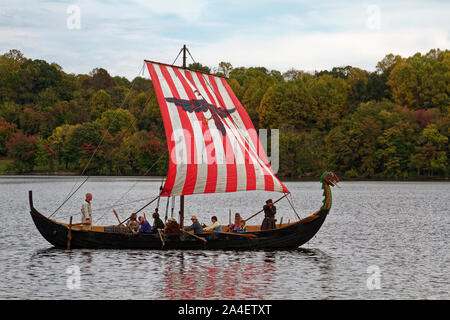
point(86, 212)
point(269, 216)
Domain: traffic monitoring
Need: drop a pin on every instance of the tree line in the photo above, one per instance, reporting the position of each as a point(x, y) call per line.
point(390, 123)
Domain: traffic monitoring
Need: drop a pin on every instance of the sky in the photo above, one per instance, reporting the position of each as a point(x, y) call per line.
point(277, 34)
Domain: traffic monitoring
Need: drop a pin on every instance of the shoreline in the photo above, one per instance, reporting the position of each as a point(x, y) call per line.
point(159, 178)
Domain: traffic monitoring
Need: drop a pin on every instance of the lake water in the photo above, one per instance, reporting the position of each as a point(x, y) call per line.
point(381, 240)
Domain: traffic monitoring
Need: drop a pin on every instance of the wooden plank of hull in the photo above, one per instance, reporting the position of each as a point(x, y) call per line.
point(289, 236)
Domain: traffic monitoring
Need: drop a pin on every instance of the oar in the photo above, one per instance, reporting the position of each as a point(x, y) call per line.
point(124, 221)
point(147, 205)
point(195, 236)
point(117, 216)
point(161, 238)
point(69, 234)
point(248, 235)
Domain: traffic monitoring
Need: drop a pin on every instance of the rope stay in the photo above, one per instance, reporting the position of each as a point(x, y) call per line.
point(291, 203)
point(173, 63)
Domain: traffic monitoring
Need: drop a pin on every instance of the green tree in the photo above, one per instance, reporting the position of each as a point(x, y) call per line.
point(56, 144)
point(309, 160)
point(225, 68)
point(101, 80)
point(140, 153)
point(422, 81)
point(395, 148)
point(86, 146)
point(432, 151)
point(198, 66)
point(100, 102)
point(30, 121)
point(118, 120)
point(287, 105)
point(10, 111)
point(331, 96)
point(140, 84)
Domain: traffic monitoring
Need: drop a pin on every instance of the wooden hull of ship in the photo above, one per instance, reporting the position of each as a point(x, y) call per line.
point(289, 236)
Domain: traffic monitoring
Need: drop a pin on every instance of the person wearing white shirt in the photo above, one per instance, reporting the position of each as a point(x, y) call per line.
point(86, 212)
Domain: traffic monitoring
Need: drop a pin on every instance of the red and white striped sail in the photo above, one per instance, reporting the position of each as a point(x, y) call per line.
point(213, 145)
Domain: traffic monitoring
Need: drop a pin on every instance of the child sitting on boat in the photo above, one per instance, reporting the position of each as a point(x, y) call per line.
point(242, 227)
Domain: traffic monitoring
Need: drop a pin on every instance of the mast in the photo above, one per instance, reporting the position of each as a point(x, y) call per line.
point(182, 197)
point(184, 56)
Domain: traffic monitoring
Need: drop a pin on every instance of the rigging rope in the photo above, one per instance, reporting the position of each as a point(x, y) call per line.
point(132, 187)
point(289, 199)
point(190, 55)
point(112, 206)
point(173, 63)
point(177, 56)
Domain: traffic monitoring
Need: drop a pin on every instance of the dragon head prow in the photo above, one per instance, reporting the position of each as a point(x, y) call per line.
point(329, 178)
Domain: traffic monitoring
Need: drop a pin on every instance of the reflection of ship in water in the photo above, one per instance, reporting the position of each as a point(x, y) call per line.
point(244, 275)
point(214, 275)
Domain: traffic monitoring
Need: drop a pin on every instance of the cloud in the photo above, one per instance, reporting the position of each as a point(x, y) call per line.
point(318, 51)
point(187, 10)
point(301, 34)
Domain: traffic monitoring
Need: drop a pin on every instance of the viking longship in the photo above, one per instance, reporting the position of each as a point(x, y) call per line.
point(213, 148)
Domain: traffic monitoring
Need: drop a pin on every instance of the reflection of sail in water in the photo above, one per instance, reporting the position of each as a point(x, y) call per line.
point(217, 276)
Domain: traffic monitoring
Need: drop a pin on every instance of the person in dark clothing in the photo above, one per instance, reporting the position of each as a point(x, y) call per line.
point(172, 226)
point(145, 226)
point(157, 223)
point(196, 226)
point(269, 216)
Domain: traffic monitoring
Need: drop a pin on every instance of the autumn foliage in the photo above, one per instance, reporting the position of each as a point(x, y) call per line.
point(393, 122)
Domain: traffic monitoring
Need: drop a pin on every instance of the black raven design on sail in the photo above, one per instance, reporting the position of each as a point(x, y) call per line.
point(194, 105)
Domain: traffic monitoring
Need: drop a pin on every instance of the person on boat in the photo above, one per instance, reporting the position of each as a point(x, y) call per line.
point(269, 216)
point(196, 226)
point(172, 226)
point(215, 226)
point(157, 222)
point(86, 212)
point(237, 222)
point(145, 226)
point(242, 227)
point(132, 224)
